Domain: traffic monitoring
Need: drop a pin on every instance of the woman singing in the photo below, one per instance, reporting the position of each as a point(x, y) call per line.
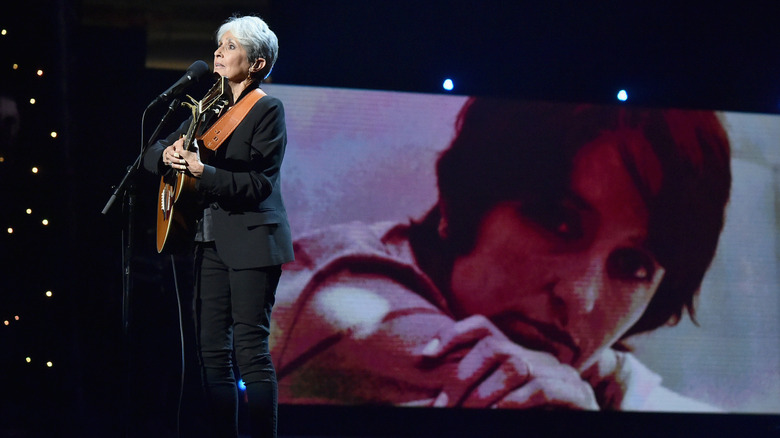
point(243, 236)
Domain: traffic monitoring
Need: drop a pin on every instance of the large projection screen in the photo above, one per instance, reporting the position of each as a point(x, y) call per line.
point(362, 156)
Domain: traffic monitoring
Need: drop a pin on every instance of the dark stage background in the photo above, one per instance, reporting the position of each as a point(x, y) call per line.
point(117, 358)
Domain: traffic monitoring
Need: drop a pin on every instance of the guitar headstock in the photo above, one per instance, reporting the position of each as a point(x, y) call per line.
point(219, 95)
point(211, 105)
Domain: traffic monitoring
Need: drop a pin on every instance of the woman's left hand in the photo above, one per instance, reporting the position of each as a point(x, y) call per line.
point(493, 371)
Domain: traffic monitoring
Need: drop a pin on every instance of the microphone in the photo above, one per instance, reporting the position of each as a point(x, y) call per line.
point(197, 70)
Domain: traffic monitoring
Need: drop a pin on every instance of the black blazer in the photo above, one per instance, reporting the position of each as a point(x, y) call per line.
point(242, 187)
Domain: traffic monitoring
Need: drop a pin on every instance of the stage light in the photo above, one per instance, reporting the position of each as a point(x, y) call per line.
point(49, 293)
point(32, 101)
point(45, 222)
point(622, 95)
point(28, 359)
point(34, 170)
point(39, 72)
point(49, 364)
point(448, 84)
point(28, 211)
point(53, 134)
point(9, 230)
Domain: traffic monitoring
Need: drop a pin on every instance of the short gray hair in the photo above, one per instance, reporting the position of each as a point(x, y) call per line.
point(256, 37)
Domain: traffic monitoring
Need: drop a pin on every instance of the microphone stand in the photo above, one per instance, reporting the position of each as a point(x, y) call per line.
point(126, 189)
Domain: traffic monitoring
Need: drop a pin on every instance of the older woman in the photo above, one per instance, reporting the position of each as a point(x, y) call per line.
point(243, 236)
point(560, 231)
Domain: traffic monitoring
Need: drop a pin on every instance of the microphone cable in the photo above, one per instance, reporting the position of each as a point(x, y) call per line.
point(181, 344)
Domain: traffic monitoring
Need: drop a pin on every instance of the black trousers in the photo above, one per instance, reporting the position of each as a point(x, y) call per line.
point(233, 312)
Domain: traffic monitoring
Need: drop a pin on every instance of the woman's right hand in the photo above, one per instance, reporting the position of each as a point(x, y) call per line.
point(495, 372)
point(171, 156)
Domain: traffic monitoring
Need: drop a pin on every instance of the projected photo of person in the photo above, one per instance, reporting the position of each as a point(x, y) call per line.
point(560, 231)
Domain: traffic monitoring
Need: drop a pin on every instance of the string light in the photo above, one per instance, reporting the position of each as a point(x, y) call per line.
point(7, 322)
point(24, 68)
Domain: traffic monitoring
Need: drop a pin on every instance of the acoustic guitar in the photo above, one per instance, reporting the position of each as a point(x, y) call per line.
point(179, 202)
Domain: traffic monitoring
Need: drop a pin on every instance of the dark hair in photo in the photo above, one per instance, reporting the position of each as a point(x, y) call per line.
point(678, 159)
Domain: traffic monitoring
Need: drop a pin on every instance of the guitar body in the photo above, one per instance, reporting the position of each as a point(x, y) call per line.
point(178, 202)
point(177, 209)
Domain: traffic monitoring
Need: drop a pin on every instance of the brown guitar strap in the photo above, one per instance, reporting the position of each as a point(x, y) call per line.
point(225, 125)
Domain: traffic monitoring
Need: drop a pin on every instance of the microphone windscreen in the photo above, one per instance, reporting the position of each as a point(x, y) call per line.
point(198, 69)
